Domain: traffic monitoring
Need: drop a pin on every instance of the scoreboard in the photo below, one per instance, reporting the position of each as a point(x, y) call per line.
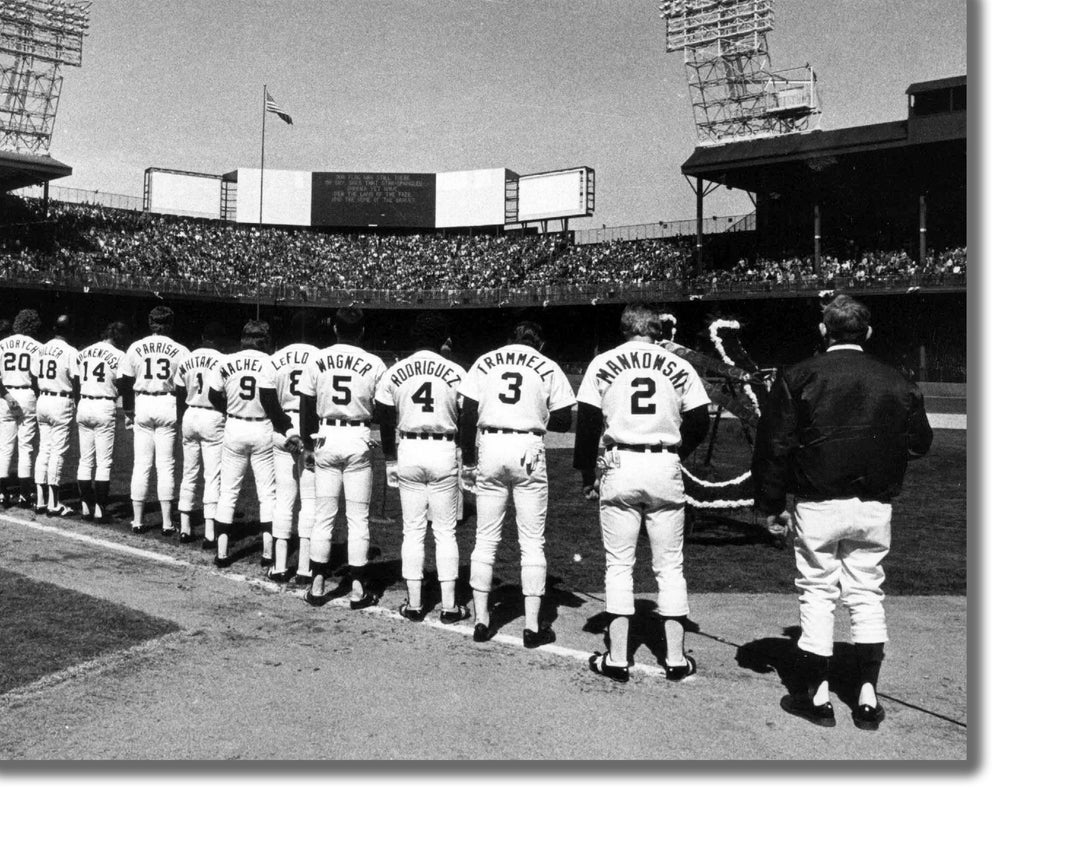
point(365, 199)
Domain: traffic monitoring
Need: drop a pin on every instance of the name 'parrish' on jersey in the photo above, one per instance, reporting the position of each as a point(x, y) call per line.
point(673, 369)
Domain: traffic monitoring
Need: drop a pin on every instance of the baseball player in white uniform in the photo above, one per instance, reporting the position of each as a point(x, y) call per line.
point(417, 407)
point(201, 432)
point(19, 353)
point(337, 402)
point(514, 395)
point(248, 437)
point(98, 366)
point(281, 377)
point(58, 394)
point(148, 390)
point(648, 408)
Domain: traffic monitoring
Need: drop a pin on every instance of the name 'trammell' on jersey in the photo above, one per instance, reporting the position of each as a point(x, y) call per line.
point(658, 361)
point(425, 368)
point(537, 362)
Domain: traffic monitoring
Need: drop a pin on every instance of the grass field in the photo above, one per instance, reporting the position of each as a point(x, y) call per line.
point(47, 628)
point(724, 552)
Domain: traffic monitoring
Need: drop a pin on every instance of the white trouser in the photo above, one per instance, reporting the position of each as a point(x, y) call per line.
point(649, 486)
point(511, 462)
point(154, 444)
point(293, 482)
point(245, 443)
point(96, 418)
point(201, 433)
point(342, 462)
point(55, 416)
point(428, 483)
point(839, 549)
point(18, 433)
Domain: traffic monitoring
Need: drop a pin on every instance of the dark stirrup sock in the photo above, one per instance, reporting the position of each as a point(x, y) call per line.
point(868, 657)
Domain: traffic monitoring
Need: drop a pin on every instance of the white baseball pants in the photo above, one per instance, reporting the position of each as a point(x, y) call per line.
point(839, 548)
point(201, 435)
point(96, 418)
point(246, 443)
point(511, 463)
point(645, 486)
point(342, 462)
point(17, 435)
point(154, 443)
point(55, 415)
point(428, 484)
point(293, 482)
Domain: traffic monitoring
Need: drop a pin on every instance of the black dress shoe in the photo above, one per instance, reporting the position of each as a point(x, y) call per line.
point(366, 600)
point(481, 633)
point(598, 664)
point(802, 706)
point(535, 639)
point(458, 614)
point(868, 718)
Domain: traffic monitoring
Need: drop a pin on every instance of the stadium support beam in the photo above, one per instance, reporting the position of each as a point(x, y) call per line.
point(817, 237)
point(700, 193)
point(922, 227)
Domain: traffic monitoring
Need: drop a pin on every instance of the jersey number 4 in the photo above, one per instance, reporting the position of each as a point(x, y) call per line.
point(424, 399)
point(644, 389)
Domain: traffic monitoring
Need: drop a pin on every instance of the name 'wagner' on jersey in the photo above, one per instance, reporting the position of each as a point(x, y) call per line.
point(424, 389)
point(642, 390)
point(342, 380)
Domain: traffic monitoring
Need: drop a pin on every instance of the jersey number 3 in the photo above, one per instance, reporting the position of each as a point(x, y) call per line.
point(513, 386)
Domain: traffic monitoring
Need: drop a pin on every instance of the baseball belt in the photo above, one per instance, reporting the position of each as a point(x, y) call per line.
point(651, 449)
point(142, 392)
point(20, 386)
point(201, 407)
point(406, 434)
point(56, 394)
point(290, 410)
point(510, 430)
point(249, 418)
point(344, 422)
point(99, 397)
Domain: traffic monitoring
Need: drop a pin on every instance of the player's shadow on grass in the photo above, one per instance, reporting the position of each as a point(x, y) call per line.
point(718, 530)
point(780, 655)
point(646, 629)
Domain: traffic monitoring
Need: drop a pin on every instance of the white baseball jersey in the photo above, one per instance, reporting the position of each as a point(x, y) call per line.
point(424, 389)
point(342, 380)
point(58, 365)
point(153, 362)
point(99, 365)
point(516, 388)
point(19, 357)
point(239, 376)
point(197, 374)
point(642, 391)
point(283, 371)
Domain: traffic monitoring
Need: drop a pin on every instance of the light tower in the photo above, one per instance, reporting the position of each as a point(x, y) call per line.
point(37, 37)
point(734, 93)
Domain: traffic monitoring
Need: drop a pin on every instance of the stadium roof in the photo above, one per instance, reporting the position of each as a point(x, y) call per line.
point(18, 170)
point(936, 85)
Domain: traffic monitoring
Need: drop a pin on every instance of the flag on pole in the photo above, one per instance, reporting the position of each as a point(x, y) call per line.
point(272, 107)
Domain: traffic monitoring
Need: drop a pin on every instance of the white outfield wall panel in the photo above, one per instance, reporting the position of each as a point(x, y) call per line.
point(470, 198)
point(554, 195)
point(286, 197)
point(185, 194)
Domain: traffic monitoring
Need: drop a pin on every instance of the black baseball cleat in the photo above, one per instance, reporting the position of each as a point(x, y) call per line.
point(221, 563)
point(103, 519)
point(316, 600)
point(683, 670)
point(802, 706)
point(266, 563)
point(413, 614)
point(41, 510)
point(481, 633)
point(208, 544)
point(598, 663)
point(366, 600)
point(535, 639)
point(186, 538)
point(61, 512)
point(303, 580)
point(868, 718)
point(6, 501)
point(278, 577)
point(459, 614)
point(138, 529)
point(168, 532)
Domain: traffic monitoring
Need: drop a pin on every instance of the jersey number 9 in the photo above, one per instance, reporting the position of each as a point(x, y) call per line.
point(247, 387)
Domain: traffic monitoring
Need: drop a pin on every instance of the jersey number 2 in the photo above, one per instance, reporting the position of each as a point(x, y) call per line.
point(423, 398)
point(644, 389)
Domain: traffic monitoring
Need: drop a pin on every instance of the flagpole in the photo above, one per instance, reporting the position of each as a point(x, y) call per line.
point(262, 154)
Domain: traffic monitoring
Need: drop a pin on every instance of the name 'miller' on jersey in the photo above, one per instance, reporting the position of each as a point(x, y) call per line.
point(57, 366)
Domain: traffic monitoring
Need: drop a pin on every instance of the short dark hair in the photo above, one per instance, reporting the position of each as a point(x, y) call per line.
point(846, 320)
point(640, 320)
point(161, 318)
point(5, 328)
point(213, 331)
point(27, 323)
point(302, 326)
point(349, 322)
point(256, 335)
point(429, 330)
point(527, 333)
point(116, 331)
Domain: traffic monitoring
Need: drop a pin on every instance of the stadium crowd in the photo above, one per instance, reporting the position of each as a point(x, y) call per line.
point(99, 247)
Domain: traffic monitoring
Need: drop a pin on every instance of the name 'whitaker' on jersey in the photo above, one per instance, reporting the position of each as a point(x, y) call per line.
point(537, 362)
point(664, 363)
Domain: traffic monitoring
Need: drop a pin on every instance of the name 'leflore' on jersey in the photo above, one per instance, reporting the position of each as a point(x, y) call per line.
point(197, 374)
point(342, 380)
point(58, 366)
point(424, 390)
point(642, 390)
point(283, 372)
point(19, 357)
point(152, 363)
point(98, 367)
point(240, 374)
point(516, 387)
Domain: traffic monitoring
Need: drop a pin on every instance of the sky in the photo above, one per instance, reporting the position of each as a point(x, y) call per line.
point(442, 85)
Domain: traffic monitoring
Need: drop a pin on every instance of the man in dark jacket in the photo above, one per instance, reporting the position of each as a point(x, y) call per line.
point(837, 433)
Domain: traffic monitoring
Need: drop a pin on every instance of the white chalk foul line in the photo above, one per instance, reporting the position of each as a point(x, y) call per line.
point(270, 586)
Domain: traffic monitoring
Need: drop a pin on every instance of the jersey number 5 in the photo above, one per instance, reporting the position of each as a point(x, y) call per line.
point(424, 399)
point(342, 391)
point(644, 389)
